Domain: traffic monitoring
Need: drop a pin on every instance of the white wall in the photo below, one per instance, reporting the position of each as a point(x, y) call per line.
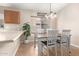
point(25, 15)
point(68, 18)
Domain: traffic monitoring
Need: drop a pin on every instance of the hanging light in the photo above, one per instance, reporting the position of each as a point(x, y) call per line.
point(51, 14)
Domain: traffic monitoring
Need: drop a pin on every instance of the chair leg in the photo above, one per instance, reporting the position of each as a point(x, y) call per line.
point(61, 50)
point(69, 52)
point(35, 42)
point(56, 50)
point(48, 51)
point(42, 49)
point(69, 48)
point(39, 48)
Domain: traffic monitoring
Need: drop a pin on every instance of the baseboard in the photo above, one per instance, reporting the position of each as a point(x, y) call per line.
point(75, 45)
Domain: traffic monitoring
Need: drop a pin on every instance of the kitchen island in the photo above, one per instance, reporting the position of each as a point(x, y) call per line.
point(9, 42)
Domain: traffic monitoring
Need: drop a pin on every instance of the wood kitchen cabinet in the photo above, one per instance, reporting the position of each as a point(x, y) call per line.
point(12, 17)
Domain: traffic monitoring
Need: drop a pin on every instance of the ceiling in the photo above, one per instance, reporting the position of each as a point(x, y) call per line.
point(38, 7)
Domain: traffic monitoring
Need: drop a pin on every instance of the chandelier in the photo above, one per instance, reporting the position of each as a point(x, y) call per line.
point(51, 14)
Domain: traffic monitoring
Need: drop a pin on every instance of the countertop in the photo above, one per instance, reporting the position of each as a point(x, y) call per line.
point(9, 35)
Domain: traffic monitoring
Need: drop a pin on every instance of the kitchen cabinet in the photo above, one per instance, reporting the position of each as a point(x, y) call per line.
point(11, 17)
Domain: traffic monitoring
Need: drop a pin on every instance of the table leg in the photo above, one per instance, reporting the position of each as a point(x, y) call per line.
point(35, 42)
point(39, 48)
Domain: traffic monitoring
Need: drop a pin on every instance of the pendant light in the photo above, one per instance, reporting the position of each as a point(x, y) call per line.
point(51, 14)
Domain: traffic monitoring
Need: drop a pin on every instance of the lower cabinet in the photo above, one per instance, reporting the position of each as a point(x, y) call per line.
point(9, 48)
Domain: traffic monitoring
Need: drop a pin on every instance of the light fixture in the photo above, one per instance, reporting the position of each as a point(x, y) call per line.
point(51, 14)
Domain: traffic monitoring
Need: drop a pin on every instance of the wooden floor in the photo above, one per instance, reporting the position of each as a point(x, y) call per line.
point(29, 50)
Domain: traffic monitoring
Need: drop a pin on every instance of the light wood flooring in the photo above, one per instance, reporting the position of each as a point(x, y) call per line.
point(29, 50)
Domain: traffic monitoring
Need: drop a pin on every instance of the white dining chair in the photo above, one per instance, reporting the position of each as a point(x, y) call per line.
point(51, 40)
point(65, 42)
point(40, 36)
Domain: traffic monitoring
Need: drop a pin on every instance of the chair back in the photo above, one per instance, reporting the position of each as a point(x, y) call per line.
point(65, 36)
point(66, 32)
point(40, 32)
point(52, 37)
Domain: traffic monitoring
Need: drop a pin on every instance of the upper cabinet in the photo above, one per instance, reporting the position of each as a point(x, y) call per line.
point(11, 17)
